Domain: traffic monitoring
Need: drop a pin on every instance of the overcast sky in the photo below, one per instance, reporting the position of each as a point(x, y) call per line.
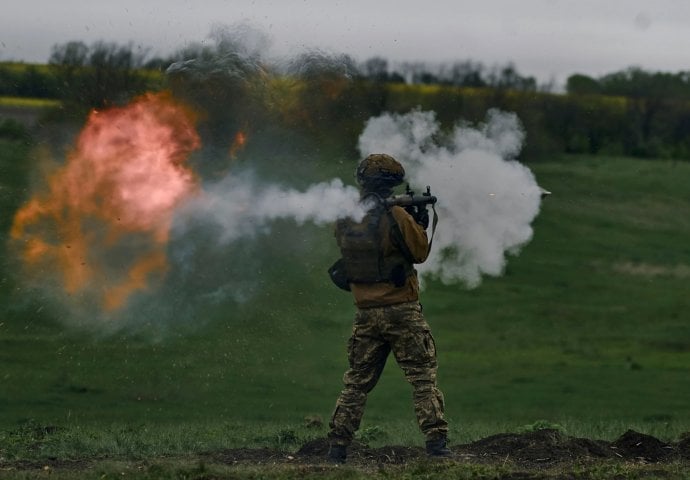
point(544, 38)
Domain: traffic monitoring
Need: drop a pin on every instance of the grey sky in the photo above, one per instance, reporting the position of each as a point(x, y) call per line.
point(545, 38)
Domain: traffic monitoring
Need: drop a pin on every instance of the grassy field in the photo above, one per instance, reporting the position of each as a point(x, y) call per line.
point(587, 330)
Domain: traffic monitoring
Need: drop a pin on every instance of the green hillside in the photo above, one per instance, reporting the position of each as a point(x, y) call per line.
point(587, 329)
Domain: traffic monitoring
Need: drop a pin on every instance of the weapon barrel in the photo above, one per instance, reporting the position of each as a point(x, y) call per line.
point(410, 200)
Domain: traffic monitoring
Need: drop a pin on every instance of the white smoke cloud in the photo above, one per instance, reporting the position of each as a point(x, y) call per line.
point(243, 208)
point(487, 200)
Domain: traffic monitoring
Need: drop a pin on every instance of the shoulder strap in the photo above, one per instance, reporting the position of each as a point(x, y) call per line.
point(434, 222)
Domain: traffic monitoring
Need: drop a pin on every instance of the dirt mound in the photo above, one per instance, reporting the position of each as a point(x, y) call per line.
point(538, 448)
point(683, 446)
point(315, 448)
point(633, 444)
point(253, 455)
point(541, 446)
point(361, 453)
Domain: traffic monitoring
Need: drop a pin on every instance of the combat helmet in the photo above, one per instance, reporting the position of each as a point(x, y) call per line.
point(379, 171)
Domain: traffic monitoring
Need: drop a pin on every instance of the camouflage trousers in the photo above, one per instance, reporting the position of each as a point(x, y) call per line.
point(377, 331)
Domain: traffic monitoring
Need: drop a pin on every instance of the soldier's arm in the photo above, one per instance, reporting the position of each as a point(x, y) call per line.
point(414, 235)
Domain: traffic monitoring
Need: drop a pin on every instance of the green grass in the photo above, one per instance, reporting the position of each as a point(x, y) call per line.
point(587, 329)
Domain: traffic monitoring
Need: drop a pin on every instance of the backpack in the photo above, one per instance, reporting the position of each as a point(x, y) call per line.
point(361, 247)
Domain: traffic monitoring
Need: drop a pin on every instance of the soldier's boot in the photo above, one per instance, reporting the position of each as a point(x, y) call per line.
point(437, 448)
point(337, 454)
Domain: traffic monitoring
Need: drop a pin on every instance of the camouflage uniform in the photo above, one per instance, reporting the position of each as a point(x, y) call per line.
point(377, 331)
point(389, 319)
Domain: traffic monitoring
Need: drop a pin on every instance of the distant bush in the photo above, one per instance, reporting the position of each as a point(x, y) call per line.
point(25, 80)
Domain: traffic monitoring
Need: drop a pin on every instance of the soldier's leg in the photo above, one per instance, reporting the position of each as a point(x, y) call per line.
point(367, 353)
point(415, 351)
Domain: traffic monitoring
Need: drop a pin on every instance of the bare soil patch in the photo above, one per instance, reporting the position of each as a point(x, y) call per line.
point(542, 454)
point(534, 449)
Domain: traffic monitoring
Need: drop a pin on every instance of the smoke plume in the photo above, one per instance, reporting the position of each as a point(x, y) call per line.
point(243, 207)
point(487, 200)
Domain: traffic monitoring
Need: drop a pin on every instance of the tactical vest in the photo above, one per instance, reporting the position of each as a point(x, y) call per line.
point(361, 247)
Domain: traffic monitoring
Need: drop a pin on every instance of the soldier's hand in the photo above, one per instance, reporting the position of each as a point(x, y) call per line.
point(422, 217)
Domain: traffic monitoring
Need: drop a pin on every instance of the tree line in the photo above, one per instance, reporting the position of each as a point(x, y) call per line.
point(78, 74)
point(631, 112)
point(97, 73)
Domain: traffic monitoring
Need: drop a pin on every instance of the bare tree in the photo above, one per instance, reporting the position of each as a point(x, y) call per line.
point(376, 69)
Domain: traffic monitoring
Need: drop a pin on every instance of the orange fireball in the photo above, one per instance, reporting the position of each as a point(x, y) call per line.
point(103, 221)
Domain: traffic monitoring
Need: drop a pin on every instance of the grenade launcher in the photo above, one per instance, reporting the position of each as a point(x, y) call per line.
point(415, 205)
point(410, 199)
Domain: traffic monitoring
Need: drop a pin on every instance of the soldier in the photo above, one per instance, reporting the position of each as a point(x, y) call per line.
point(378, 254)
